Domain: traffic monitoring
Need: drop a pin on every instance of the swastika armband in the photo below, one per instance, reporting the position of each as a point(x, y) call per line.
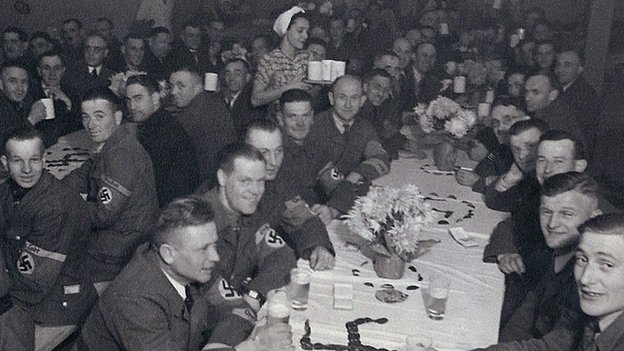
point(269, 236)
point(115, 185)
point(227, 291)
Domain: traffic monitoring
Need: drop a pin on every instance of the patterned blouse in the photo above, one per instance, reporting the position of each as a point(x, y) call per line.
point(275, 69)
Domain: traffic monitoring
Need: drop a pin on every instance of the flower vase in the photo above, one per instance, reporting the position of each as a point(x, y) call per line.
point(392, 267)
point(444, 155)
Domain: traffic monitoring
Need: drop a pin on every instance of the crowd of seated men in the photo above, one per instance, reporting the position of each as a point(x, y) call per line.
point(195, 204)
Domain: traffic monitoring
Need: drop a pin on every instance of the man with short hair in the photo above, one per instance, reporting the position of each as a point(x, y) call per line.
point(40, 221)
point(169, 296)
point(383, 112)
point(157, 60)
point(176, 170)
point(568, 200)
point(16, 105)
point(543, 102)
point(420, 85)
point(579, 95)
point(40, 42)
point(73, 35)
point(209, 132)
point(91, 71)
point(404, 50)
point(350, 143)
point(254, 257)
point(191, 51)
point(545, 57)
point(119, 183)
point(132, 53)
point(317, 48)
point(339, 48)
point(104, 27)
point(391, 63)
point(15, 47)
point(51, 69)
point(282, 206)
point(237, 94)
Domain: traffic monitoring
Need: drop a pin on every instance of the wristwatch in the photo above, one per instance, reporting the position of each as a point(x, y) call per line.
point(256, 296)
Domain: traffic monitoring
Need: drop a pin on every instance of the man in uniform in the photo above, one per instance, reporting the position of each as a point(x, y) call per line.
point(119, 184)
point(170, 296)
point(40, 222)
point(253, 259)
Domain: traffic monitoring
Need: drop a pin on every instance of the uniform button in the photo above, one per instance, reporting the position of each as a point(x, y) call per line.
point(64, 303)
point(17, 237)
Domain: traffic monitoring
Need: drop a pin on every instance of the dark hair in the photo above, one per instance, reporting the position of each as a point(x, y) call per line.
point(294, 18)
point(377, 72)
point(21, 34)
point(294, 95)
point(237, 60)
point(13, 63)
point(73, 20)
point(264, 125)
point(21, 133)
point(192, 69)
point(133, 35)
point(522, 126)
point(51, 53)
point(42, 35)
point(144, 80)
point(607, 224)
point(233, 151)
point(423, 43)
point(96, 35)
point(188, 211)
point(107, 20)
point(158, 30)
point(564, 182)
point(103, 94)
point(316, 41)
point(557, 135)
point(191, 23)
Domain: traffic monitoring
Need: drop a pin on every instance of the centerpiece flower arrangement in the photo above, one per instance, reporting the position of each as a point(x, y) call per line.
point(388, 223)
point(118, 82)
point(450, 125)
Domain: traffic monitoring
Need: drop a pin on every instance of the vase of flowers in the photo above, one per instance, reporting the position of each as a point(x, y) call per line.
point(387, 224)
point(450, 123)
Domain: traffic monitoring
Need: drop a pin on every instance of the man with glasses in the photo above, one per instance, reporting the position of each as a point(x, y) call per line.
point(90, 72)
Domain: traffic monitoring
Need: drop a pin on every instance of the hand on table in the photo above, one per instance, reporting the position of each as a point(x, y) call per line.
point(321, 259)
point(270, 338)
point(466, 177)
point(354, 178)
point(511, 263)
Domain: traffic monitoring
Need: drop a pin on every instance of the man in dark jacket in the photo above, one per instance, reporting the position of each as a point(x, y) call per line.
point(173, 155)
point(119, 184)
point(40, 223)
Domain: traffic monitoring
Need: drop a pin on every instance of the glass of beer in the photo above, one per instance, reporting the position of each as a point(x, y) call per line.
point(300, 287)
point(436, 296)
point(278, 306)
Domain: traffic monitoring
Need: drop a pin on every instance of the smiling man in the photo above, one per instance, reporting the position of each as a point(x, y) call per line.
point(119, 184)
point(169, 296)
point(253, 260)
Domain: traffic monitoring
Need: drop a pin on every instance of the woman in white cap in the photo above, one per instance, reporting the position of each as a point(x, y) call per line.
point(283, 68)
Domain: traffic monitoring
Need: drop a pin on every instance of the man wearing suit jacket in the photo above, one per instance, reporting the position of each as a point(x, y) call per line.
point(169, 297)
point(420, 85)
point(91, 72)
point(191, 51)
point(237, 94)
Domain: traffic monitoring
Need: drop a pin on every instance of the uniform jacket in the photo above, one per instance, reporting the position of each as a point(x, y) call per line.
point(249, 249)
point(208, 123)
point(583, 100)
point(121, 201)
point(386, 120)
point(361, 152)
point(558, 115)
point(173, 156)
point(141, 310)
point(427, 89)
point(12, 117)
point(38, 234)
point(66, 120)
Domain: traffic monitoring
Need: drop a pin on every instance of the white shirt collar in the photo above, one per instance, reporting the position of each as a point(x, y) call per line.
point(98, 69)
point(340, 123)
point(176, 285)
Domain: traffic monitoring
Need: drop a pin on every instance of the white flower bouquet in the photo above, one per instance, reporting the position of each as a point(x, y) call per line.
point(444, 114)
point(118, 82)
point(390, 221)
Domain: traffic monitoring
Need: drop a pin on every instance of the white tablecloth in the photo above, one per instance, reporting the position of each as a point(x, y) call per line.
point(473, 310)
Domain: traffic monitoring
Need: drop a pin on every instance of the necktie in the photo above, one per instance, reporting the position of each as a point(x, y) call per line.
point(347, 130)
point(189, 297)
point(94, 73)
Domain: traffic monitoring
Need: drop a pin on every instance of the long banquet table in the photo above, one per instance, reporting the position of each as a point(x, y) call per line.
point(472, 315)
